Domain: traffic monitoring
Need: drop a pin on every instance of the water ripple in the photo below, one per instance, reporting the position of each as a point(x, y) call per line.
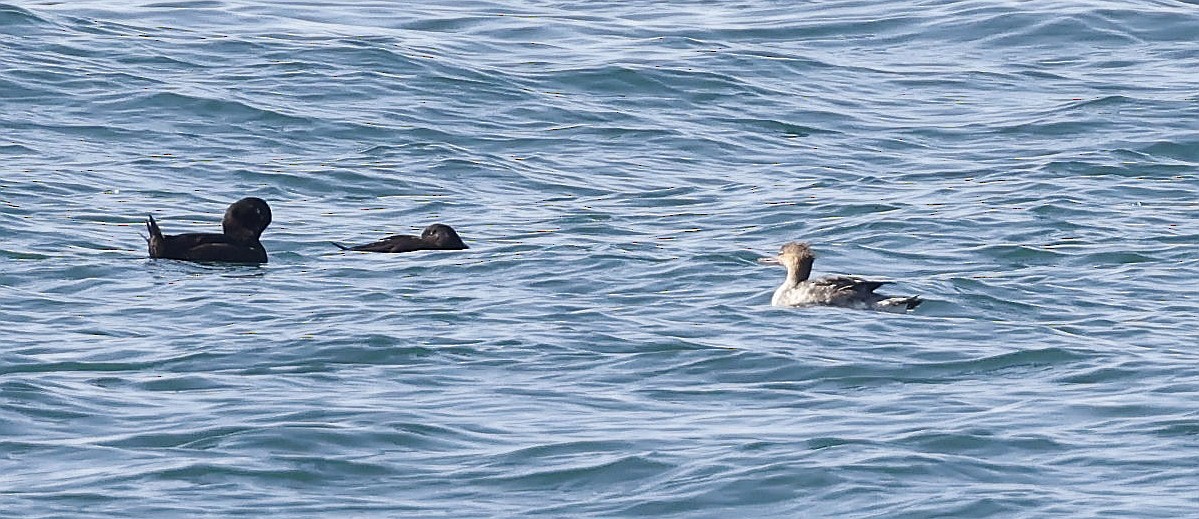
point(605, 347)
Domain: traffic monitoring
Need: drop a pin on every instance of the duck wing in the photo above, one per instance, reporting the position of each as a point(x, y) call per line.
point(397, 243)
point(205, 247)
point(851, 284)
point(227, 252)
point(177, 246)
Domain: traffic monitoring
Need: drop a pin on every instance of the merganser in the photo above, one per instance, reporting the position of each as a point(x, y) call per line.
point(842, 291)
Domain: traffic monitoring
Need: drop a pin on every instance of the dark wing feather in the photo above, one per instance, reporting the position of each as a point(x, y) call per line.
point(204, 247)
point(230, 252)
point(851, 284)
point(397, 243)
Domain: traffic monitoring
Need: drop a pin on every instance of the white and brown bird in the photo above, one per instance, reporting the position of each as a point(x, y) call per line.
point(842, 291)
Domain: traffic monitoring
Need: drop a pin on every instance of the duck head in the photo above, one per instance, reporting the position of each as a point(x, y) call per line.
point(442, 237)
point(245, 219)
point(797, 257)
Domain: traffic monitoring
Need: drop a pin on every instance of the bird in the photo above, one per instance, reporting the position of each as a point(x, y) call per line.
point(435, 237)
point(840, 291)
point(238, 242)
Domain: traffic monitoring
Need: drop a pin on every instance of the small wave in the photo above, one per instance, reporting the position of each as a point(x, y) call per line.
point(16, 149)
point(194, 4)
point(11, 15)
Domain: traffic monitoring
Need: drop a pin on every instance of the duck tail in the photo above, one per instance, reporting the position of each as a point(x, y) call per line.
point(899, 304)
point(152, 228)
point(340, 246)
point(154, 242)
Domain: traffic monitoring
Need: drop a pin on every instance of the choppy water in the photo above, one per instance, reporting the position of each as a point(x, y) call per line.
point(606, 347)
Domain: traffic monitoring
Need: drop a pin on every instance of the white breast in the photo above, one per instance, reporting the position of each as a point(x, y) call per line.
point(802, 294)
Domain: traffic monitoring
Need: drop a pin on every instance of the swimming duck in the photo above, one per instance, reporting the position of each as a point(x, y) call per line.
point(843, 291)
point(435, 237)
point(243, 224)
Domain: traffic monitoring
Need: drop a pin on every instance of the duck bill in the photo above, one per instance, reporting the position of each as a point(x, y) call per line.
point(769, 261)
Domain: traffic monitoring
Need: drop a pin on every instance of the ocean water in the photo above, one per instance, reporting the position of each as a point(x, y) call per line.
point(606, 347)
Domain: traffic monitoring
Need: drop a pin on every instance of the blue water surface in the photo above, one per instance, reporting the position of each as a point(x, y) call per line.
point(606, 347)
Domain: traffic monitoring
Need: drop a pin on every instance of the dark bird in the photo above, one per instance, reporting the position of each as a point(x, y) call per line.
point(435, 237)
point(843, 291)
point(243, 224)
